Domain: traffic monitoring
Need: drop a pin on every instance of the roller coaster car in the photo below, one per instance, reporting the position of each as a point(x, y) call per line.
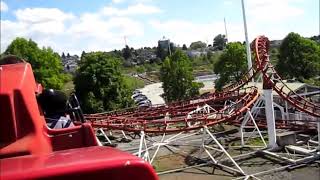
point(30, 150)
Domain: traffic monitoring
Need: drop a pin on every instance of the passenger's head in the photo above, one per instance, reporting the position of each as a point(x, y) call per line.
point(52, 102)
point(10, 59)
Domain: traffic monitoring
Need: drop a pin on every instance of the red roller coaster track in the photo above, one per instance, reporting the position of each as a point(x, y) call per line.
point(174, 117)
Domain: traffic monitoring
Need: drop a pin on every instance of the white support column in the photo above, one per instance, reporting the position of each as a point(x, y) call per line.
point(270, 117)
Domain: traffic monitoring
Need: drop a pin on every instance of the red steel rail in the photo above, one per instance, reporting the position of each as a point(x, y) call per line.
point(260, 47)
point(173, 117)
point(179, 122)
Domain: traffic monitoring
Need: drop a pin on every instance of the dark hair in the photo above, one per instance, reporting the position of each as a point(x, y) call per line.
point(10, 59)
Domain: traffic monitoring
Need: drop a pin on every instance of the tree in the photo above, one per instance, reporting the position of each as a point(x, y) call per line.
point(299, 57)
point(177, 78)
point(197, 45)
point(316, 39)
point(231, 64)
point(126, 52)
point(209, 55)
point(184, 47)
point(219, 42)
point(100, 85)
point(82, 54)
point(46, 64)
point(172, 48)
point(63, 56)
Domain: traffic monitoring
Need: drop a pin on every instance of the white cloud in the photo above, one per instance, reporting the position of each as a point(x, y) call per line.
point(274, 18)
point(66, 32)
point(117, 1)
point(228, 3)
point(185, 32)
point(134, 1)
point(96, 26)
point(44, 25)
point(105, 29)
point(3, 7)
point(131, 10)
point(41, 15)
point(273, 10)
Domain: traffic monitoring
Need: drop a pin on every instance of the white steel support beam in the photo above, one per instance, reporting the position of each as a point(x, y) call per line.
point(105, 136)
point(250, 116)
point(158, 147)
point(223, 150)
point(270, 117)
point(143, 148)
point(202, 143)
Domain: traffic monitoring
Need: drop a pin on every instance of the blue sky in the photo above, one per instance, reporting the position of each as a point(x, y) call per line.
point(76, 25)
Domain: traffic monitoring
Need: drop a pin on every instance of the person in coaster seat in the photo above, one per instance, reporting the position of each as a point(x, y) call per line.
point(54, 106)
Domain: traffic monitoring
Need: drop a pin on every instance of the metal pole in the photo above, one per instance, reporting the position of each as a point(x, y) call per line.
point(247, 40)
point(225, 28)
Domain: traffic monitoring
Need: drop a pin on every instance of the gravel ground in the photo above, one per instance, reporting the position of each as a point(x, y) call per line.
point(311, 172)
point(178, 156)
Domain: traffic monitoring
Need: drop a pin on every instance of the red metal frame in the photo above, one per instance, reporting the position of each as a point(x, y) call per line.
point(94, 162)
point(29, 150)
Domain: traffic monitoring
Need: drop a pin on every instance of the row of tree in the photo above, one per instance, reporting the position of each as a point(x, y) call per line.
point(46, 63)
point(219, 43)
point(298, 57)
point(100, 85)
point(163, 51)
point(177, 78)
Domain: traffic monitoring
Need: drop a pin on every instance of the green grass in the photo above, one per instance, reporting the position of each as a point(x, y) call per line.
point(141, 68)
point(257, 141)
point(68, 87)
point(133, 83)
point(129, 70)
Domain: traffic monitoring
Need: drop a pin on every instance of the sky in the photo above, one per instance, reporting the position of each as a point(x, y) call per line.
point(102, 25)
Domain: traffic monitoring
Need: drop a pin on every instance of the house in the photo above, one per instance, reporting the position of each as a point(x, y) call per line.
point(70, 63)
point(195, 53)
